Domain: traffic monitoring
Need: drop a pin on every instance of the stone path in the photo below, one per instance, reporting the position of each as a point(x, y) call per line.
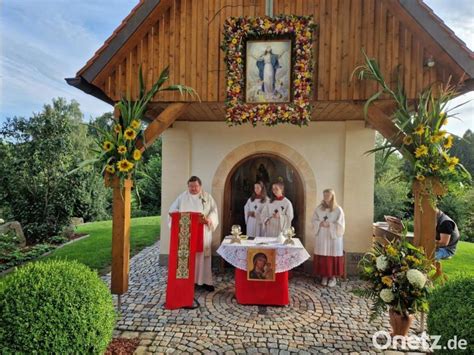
point(318, 319)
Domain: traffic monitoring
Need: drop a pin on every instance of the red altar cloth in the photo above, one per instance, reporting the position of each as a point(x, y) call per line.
point(180, 291)
point(271, 293)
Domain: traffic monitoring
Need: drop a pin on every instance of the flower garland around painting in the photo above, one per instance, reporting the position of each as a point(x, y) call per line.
point(236, 32)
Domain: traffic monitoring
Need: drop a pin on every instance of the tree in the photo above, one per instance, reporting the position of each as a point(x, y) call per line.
point(43, 149)
point(390, 192)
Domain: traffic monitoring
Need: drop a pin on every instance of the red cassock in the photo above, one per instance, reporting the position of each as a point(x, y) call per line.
point(187, 233)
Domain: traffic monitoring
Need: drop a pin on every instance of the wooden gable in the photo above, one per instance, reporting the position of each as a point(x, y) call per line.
point(186, 34)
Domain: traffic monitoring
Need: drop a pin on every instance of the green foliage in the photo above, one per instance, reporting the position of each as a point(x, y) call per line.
point(391, 192)
point(38, 153)
point(459, 205)
point(450, 313)
point(464, 149)
point(55, 307)
point(150, 187)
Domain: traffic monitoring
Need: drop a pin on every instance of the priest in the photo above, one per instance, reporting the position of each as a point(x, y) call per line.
point(197, 200)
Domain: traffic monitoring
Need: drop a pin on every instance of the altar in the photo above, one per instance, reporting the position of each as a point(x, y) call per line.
point(249, 290)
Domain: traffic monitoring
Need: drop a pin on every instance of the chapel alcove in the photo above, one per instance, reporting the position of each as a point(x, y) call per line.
point(267, 168)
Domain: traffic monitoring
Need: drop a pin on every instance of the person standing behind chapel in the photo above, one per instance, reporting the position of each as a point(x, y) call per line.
point(329, 226)
point(278, 213)
point(253, 210)
point(194, 199)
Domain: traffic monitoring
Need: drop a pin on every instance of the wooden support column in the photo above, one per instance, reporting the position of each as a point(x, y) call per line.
point(122, 202)
point(425, 215)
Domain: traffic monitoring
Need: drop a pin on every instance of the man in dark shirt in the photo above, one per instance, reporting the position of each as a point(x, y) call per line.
point(447, 236)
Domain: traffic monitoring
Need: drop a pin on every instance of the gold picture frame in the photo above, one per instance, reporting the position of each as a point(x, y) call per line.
point(261, 264)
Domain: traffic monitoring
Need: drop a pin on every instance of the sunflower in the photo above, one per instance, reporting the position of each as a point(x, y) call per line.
point(117, 128)
point(407, 140)
point(449, 142)
point(130, 134)
point(434, 167)
point(422, 150)
point(420, 129)
point(137, 154)
point(135, 124)
point(387, 280)
point(420, 177)
point(110, 169)
point(122, 149)
point(124, 165)
point(108, 146)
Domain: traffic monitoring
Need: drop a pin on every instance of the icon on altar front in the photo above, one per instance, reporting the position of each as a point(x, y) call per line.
point(261, 264)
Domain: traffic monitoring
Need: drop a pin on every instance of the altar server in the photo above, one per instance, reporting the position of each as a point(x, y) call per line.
point(278, 213)
point(329, 225)
point(197, 200)
point(253, 210)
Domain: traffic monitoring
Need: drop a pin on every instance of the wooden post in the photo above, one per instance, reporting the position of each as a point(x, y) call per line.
point(120, 235)
point(122, 202)
point(425, 215)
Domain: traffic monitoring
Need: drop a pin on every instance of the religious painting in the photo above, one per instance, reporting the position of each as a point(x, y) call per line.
point(261, 264)
point(268, 71)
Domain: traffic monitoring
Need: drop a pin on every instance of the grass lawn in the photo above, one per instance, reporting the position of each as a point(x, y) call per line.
point(462, 262)
point(96, 250)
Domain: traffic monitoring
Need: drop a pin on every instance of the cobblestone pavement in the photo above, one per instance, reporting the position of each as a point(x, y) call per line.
point(318, 319)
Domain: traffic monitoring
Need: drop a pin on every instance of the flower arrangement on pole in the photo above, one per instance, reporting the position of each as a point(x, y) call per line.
point(120, 147)
point(423, 140)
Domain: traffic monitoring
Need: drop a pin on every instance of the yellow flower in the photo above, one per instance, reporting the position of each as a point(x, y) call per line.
point(108, 146)
point(420, 129)
point(434, 167)
point(130, 134)
point(239, 60)
point(420, 177)
point(407, 140)
point(124, 165)
point(117, 128)
point(449, 142)
point(234, 40)
point(135, 124)
point(422, 150)
point(391, 250)
point(122, 149)
point(387, 280)
point(279, 26)
point(137, 154)
point(110, 169)
point(452, 163)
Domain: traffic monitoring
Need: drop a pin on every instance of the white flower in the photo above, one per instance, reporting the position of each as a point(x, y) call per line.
point(416, 278)
point(382, 262)
point(387, 295)
point(2, 221)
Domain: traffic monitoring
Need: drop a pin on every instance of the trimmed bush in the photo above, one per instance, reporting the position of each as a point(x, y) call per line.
point(451, 308)
point(55, 307)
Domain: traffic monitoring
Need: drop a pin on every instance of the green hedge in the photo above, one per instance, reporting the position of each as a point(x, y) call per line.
point(55, 307)
point(451, 313)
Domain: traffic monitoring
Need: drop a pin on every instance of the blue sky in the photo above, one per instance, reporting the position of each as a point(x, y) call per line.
point(44, 41)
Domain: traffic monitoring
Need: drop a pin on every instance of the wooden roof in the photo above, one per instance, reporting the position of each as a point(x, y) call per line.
point(186, 34)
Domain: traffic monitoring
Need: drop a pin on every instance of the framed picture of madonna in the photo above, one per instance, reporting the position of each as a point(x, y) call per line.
point(268, 71)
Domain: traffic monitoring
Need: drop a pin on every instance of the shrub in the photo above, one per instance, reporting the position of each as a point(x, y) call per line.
point(55, 307)
point(450, 314)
